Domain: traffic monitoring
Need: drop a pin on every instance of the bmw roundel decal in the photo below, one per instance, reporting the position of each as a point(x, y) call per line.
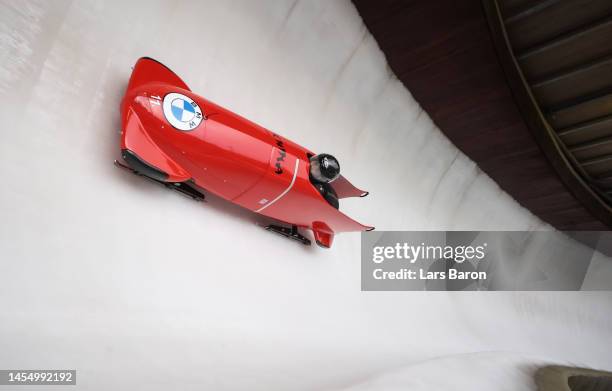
point(182, 112)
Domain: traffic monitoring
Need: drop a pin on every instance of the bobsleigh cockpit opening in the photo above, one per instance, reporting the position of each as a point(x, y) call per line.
point(324, 169)
point(328, 193)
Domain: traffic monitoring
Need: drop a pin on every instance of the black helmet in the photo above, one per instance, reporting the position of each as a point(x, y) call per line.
point(324, 168)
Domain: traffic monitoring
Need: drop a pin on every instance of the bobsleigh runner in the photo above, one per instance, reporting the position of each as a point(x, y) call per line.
point(189, 144)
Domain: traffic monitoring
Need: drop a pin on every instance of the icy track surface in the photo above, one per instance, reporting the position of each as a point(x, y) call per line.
point(140, 288)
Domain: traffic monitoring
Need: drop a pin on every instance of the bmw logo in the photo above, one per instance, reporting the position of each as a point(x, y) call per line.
point(182, 112)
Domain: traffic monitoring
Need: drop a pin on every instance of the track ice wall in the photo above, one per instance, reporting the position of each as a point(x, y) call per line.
point(137, 287)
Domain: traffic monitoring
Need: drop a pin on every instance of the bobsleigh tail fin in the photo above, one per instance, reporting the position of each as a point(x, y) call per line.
point(324, 234)
point(345, 189)
point(148, 70)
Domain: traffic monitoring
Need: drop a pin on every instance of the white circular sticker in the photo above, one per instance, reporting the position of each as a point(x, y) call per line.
point(182, 112)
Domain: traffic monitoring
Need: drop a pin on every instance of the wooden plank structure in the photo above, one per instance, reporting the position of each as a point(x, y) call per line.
point(523, 87)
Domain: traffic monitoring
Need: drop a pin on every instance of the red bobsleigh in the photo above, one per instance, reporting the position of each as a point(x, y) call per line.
point(189, 144)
